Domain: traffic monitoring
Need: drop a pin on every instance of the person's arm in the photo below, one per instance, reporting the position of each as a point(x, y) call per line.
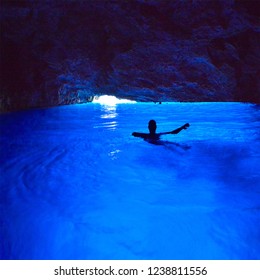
point(138, 134)
point(176, 131)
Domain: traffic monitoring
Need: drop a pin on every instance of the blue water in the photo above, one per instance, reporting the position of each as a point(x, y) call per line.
point(76, 185)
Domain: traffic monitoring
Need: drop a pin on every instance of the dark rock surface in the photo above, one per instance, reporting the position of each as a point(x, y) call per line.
point(63, 52)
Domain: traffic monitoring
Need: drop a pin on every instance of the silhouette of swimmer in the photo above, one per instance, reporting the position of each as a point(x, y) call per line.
point(153, 136)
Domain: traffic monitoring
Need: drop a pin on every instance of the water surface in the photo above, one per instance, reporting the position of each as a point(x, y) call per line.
point(76, 185)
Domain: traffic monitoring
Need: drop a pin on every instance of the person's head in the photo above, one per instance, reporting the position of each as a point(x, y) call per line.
point(152, 126)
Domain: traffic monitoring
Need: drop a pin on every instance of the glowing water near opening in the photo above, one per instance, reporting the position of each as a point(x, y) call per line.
point(76, 185)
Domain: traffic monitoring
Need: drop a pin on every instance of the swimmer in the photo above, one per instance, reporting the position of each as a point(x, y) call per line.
point(156, 136)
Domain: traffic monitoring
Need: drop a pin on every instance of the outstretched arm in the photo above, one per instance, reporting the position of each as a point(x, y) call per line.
point(138, 134)
point(176, 131)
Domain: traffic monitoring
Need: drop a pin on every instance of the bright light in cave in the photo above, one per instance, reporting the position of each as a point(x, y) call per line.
point(110, 100)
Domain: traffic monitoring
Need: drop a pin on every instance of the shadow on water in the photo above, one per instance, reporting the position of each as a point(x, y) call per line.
point(168, 144)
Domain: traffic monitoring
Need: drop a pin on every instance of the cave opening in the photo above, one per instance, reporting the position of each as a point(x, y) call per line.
point(111, 100)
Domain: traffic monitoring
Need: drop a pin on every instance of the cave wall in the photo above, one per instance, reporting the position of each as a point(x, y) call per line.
point(64, 52)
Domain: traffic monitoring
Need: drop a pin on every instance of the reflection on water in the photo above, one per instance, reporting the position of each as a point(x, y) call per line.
point(109, 114)
point(75, 184)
